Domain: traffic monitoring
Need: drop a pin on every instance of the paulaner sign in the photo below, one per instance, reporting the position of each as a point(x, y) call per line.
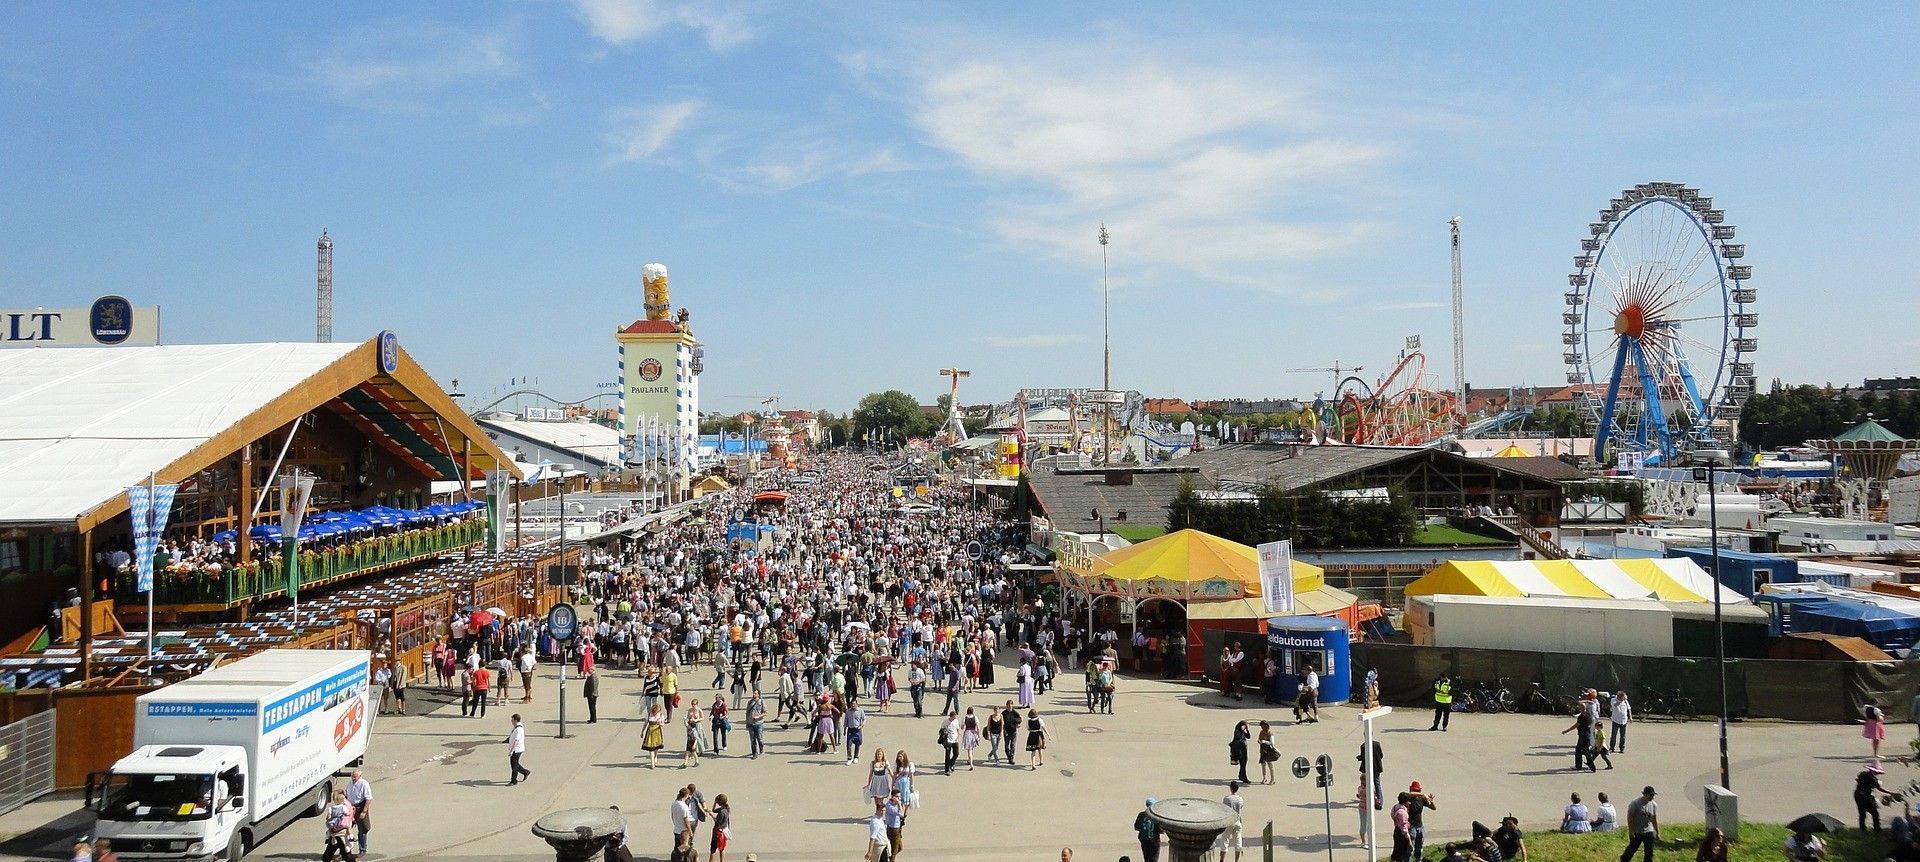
point(110, 321)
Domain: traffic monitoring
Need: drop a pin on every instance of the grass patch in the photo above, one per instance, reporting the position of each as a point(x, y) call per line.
point(1759, 842)
point(1446, 534)
point(1137, 533)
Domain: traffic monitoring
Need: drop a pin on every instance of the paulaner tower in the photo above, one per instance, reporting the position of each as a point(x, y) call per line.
point(659, 372)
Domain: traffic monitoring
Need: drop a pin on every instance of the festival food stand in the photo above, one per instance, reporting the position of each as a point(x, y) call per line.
point(1189, 582)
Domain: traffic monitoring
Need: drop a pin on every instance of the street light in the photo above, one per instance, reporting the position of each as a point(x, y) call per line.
point(564, 657)
point(1719, 632)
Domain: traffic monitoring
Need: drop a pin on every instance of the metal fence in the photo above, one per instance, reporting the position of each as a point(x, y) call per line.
point(26, 760)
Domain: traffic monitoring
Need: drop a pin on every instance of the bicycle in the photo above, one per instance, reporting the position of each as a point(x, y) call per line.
point(1675, 705)
point(1500, 698)
point(1487, 697)
point(1535, 700)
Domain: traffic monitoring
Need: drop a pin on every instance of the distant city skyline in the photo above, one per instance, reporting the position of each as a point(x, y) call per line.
point(850, 200)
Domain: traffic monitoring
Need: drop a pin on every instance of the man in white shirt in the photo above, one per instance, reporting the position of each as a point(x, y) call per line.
point(526, 676)
point(1313, 694)
point(1232, 838)
point(516, 746)
point(680, 816)
point(360, 796)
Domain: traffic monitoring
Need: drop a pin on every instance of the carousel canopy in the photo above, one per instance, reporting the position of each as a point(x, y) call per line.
point(1186, 565)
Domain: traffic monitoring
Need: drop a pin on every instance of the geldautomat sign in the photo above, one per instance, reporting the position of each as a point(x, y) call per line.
point(110, 321)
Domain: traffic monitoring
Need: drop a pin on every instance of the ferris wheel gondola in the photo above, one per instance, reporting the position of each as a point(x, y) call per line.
point(1659, 326)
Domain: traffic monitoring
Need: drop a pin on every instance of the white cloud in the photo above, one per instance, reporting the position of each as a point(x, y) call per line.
point(623, 22)
point(745, 151)
point(1232, 175)
point(637, 132)
point(1032, 341)
point(1425, 305)
point(414, 68)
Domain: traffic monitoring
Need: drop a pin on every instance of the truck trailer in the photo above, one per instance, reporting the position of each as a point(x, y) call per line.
point(224, 760)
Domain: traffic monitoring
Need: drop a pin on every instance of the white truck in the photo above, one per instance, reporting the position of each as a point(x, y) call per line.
point(224, 760)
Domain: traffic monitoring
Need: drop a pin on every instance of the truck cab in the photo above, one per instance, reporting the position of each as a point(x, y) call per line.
point(172, 801)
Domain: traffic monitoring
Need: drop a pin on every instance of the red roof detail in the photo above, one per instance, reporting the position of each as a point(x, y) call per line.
point(659, 326)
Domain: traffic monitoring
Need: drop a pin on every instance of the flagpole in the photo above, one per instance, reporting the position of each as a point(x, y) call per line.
point(156, 541)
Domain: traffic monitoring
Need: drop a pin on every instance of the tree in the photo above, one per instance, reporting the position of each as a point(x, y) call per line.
point(892, 411)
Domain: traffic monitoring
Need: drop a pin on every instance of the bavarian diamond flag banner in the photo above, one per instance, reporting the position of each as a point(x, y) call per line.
point(148, 507)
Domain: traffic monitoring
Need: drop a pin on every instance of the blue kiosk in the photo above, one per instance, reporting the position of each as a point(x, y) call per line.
point(1318, 642)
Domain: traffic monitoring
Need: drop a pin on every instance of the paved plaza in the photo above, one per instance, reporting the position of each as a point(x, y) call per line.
point(441, 792)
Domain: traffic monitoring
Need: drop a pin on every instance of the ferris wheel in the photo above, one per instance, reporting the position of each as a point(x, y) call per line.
point(1659, 325)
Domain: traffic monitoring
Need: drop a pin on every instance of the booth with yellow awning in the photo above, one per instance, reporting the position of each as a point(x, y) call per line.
point(1215, 581)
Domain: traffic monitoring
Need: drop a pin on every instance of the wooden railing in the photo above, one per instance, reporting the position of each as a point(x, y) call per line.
point(268, 578)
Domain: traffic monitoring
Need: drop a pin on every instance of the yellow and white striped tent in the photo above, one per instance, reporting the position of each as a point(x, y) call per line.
point(1667, 580)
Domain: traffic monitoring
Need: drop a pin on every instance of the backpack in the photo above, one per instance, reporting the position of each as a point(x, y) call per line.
point(1147, 829)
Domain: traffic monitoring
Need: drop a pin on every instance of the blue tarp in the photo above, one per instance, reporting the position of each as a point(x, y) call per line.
point(1883, 627)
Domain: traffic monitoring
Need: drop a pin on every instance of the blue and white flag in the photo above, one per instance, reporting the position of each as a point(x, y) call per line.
point(148, 506)
point(539, 473)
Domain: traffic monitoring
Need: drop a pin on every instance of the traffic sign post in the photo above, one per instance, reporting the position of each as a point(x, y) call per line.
point(1322, 768)
point(563, 624)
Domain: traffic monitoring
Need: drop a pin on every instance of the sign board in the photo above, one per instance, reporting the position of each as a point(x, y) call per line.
point(111, 321)
point(1300, 767)
point(1276, 576)
point(562, 623)
point(653, 381)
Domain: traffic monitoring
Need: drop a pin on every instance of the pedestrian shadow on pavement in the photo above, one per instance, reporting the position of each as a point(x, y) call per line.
point(478, 782)
point(848, 821)
point(1218, 782)
point(1213, 700)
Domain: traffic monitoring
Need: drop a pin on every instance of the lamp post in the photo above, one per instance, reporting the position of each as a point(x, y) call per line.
point(1719, 632)
point(565, 653)
point(1106, 358)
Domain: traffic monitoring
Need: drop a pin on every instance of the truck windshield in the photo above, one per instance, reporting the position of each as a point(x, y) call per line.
point(156, 797)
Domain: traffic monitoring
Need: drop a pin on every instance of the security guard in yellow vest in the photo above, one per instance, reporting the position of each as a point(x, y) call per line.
point(1442, 701)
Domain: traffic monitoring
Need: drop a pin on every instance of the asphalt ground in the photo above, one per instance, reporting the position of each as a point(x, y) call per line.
point(440, 780)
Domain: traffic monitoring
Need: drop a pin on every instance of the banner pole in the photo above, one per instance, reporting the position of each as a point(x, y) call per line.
point(150, 529)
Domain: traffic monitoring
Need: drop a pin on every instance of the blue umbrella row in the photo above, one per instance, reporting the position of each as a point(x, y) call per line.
point(322, 525)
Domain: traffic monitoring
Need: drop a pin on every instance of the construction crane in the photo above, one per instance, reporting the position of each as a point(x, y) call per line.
point(1338, 371)
point(955, 429)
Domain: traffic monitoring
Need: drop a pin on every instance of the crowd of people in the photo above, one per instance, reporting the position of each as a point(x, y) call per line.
point(818, 613)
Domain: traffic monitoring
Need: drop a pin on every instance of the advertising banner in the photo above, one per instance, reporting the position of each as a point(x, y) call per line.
point(294, 493)
point(648, 375)
point(110, 321)
point(1276, 576)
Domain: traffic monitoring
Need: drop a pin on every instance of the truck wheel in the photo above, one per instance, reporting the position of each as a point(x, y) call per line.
point(237, 847)
point(323, 794)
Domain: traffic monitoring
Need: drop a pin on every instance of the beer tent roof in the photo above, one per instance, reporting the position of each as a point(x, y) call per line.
point(1669, 580)
point(1189, 564)
point(79, 425)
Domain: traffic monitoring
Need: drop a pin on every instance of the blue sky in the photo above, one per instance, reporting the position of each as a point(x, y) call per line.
point(851, 196)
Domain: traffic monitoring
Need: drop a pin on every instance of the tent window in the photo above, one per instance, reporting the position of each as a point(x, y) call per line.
point(10, 556)
point(1761, 578)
